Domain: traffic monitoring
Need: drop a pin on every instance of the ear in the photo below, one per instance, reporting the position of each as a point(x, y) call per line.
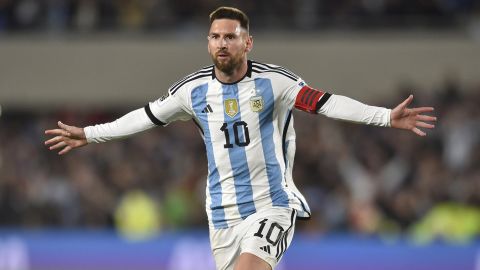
point(249, 45)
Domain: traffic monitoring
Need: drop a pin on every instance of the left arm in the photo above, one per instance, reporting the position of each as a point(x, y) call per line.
point(401, 117)
point(305, 98)
point(347, 109)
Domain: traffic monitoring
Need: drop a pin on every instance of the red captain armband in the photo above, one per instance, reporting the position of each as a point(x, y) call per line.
point(310, 100)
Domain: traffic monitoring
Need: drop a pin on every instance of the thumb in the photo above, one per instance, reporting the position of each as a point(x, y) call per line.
point(406, 102)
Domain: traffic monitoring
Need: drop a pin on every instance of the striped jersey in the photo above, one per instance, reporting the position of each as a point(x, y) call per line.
point(247, 128)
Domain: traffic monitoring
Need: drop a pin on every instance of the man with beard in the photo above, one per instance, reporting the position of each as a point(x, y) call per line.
point(243, 110)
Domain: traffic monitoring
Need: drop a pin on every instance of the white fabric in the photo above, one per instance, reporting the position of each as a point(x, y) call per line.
point(347, 109)
point(129, 124)
point(246, 175)
point(250, 236)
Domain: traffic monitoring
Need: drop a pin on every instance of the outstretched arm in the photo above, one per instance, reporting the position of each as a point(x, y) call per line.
point(66, 138)
point(71, 137)
point(157, 113)
point(347, 109)
point(411, 118)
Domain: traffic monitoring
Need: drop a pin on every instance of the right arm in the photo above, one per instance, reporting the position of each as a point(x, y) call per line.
point(129, 124)
point(68, 137)
point(157, 113)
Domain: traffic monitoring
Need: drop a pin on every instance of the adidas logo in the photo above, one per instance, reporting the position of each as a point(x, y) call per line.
point(207, 109)
point(266, 249)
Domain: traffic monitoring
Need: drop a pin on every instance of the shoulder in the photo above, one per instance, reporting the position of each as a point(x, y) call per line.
point(274, 70)
point(195, 78)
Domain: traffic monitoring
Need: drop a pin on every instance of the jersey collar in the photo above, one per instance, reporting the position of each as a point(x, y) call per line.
point(247, 74)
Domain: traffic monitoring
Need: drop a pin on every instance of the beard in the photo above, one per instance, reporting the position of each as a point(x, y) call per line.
point(228, 65)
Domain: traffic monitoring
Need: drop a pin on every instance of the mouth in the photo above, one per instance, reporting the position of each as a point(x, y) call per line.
point(223, 55)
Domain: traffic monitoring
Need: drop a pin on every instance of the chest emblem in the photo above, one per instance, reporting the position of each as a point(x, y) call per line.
point(231, 107)
point(256, 103)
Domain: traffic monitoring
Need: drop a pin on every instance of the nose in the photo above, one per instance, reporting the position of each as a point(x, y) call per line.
point(223, 43)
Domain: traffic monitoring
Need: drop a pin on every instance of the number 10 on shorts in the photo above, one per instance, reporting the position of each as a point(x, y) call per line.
point(274, 234)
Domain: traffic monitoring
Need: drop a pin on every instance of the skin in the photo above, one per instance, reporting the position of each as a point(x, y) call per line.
point(248, 261)
point(228, 45)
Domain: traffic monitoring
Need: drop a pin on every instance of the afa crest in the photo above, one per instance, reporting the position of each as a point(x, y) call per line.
point(231, 107)
point(256, 103)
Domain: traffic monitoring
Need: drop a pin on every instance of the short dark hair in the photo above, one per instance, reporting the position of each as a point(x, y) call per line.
point(230, 13)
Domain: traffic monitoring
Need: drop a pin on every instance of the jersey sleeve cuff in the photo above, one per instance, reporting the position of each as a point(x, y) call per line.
point(89, 134)
point(388, 115)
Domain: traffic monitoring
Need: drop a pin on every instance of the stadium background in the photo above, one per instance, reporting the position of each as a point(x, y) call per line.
point(381, 198)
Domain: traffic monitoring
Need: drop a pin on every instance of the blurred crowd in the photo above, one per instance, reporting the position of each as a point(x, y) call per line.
point(147, 15)
point(360, 179)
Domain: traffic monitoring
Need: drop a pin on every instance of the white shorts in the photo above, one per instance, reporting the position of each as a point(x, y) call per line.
point(266, 234)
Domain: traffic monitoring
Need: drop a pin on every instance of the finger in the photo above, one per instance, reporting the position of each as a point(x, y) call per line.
point(65, 150)
point(56, 131)
point(406, 102)
point(426, 118)
point(424, 125)
point(58, 145)
point(54, 140)
point(67, 128)
point(419, 132)
point(422, 109)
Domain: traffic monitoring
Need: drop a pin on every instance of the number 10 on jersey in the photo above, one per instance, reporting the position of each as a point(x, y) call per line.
point(236, 128)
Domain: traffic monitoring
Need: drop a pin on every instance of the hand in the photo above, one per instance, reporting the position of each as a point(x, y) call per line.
point(411, 118)
point(66, 137)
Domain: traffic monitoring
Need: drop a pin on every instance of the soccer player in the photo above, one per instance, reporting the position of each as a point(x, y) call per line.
point(243, 110)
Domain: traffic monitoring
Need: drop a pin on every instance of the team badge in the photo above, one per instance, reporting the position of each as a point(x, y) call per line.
point(256, 103)
point(231, 107)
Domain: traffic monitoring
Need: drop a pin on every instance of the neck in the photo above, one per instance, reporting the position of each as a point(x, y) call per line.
point(236, 75)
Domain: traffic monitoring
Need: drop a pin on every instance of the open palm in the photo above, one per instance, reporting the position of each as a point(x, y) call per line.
point(66, 138)
point(412, 118)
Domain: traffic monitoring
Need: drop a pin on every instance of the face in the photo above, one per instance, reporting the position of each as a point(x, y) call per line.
point(228, 44)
